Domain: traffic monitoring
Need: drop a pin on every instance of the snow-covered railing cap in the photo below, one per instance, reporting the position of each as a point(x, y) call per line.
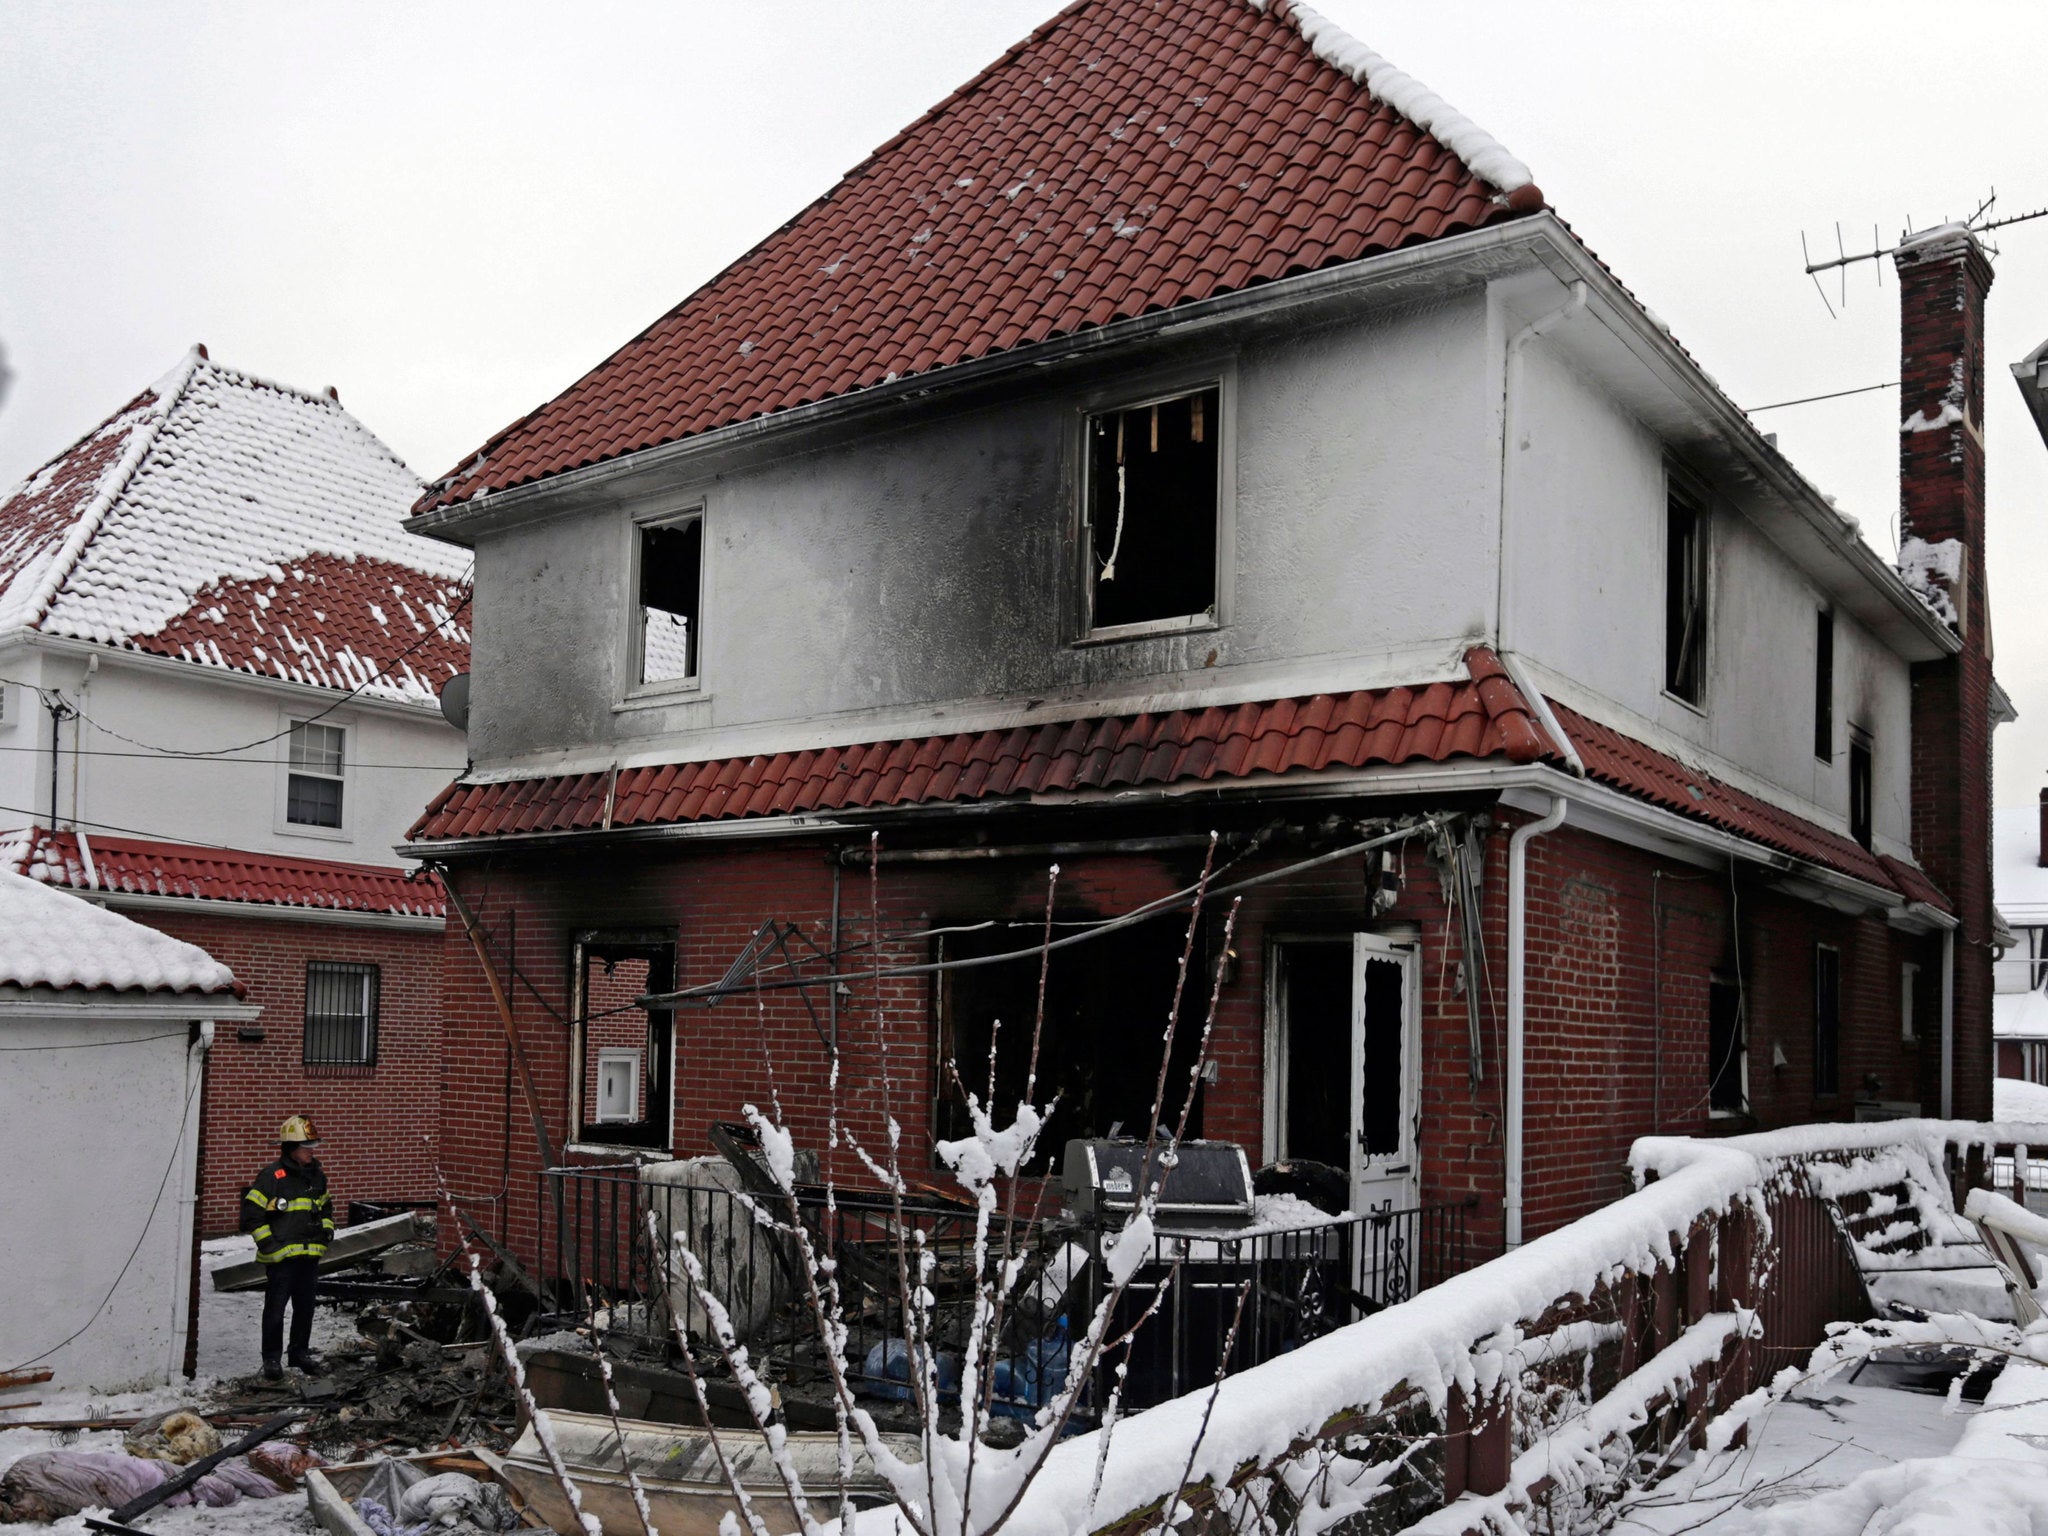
point(1487, 157)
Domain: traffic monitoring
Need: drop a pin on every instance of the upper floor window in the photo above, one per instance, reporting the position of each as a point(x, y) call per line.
point(314, 781)
point(1824, 686)
point(1685, 595)
point(1859, 786)
point(1152, 512)
point(671, 561)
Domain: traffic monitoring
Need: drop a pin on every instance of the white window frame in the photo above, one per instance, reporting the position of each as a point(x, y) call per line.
point(1135, 395)
point(284, 825)
point(696, 510)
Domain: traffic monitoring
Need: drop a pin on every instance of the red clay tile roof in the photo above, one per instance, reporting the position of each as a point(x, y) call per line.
point(1623, 763)
point(1127, 157)
point(1484, 716)
point(235, 523)
point(132, 866)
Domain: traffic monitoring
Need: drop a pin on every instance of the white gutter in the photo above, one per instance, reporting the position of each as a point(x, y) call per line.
point(1510, 424)
point(1948, 1023)
point(1518, 1005)
point(188, 1198)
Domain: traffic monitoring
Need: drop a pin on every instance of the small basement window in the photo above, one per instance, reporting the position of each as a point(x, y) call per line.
point(313, 786)
point(1859, 786)
point(1824, 686)
point(1685, 595)
point(341, 1014)
point(1152, 512)
point(671, 589)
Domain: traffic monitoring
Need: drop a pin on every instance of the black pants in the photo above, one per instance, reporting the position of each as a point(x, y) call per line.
point(289, 1280)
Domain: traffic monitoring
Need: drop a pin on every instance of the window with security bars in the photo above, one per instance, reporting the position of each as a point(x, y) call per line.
point(341, 1014)
point(313, 788)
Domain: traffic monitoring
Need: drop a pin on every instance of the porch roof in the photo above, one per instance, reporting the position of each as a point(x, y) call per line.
point(1481, 716)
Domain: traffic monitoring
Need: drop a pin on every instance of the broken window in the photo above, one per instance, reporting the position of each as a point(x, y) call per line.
point(1152, 511)
point(313, 781)
point(671, 588)
point(1824, 687)
point(1727, 1047)
point(1685, 596)
point(623, 1051)
point(1827, 1019)
point(341, 1015)
point(1105, 1018)
point(1859, 786)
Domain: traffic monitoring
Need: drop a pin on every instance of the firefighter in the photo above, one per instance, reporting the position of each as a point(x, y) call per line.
point(287, 1211)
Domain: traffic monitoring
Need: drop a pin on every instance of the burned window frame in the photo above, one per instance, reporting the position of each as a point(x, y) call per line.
point(1827, 1021)
point(1688, 589)
point(659, 946)
point(1720, 986)
point(1137, 395)
point(691, 516)
point(1862, 786)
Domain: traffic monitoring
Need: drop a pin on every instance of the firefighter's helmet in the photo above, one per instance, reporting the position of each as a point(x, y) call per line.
point(299, 1128)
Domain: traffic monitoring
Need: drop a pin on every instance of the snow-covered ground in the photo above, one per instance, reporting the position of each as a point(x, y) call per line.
point(229, 1347)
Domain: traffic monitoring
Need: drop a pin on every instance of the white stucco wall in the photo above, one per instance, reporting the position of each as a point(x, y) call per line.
point(394, 760)
point(899, 580)
point(1587, 605)
point(86, 1139)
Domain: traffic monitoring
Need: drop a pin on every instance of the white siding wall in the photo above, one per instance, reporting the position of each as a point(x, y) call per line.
point(396, 761)
point(85, 1137)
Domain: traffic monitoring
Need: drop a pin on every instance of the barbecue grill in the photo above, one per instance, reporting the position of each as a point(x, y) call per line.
point(1208, 1188)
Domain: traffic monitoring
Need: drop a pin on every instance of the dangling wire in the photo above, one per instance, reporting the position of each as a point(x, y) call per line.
point(1117, 541)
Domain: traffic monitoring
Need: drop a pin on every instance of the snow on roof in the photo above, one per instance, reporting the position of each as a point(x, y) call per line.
point(2019, 883)
point(2012, 1099)
point(2019, 1016)
point(50, 939)
point(1405, 94)
point(232, 522)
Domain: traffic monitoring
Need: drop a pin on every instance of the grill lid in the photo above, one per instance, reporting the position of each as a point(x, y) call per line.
point(1209, 1184)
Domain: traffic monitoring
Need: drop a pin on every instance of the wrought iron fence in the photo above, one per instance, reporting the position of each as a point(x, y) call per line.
point(1220, 1301)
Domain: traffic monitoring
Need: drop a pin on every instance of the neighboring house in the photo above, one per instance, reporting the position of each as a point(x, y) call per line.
point(105, 1026)
point(1166, 433)
point(2020, 1009)
point(219, 654)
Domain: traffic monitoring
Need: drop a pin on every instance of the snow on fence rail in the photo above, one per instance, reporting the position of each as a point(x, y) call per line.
point(1539, 1386)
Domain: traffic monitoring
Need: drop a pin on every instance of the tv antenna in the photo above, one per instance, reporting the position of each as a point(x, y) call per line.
point(1978, 223)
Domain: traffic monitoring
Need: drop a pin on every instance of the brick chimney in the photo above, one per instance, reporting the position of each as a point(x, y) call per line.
point(1943, 278)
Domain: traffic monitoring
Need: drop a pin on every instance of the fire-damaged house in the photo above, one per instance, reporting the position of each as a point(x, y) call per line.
point(1190, 426)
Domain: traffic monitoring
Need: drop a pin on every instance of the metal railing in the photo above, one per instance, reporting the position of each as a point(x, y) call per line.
point(1223, 1301)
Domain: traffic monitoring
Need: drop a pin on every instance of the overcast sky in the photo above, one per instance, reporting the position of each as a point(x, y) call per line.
point(450, 211)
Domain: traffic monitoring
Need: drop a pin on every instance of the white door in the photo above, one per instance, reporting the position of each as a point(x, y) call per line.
point(1343, 1073)
point(1386, 1091)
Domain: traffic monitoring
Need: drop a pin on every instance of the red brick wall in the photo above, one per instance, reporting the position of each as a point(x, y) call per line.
point(1597, 1077)
point(379, 1124)
point(1941, 496)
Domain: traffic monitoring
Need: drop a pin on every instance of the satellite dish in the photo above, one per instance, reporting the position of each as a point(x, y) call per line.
point(455, 701)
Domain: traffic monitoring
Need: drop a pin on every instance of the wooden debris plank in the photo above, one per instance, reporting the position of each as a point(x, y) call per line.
point(351, 1245)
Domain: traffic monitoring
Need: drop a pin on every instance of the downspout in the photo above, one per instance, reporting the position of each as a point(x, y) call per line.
point(185, 1301)
point(1510, 424)
point(1518, 1004)
point(1948, 1023)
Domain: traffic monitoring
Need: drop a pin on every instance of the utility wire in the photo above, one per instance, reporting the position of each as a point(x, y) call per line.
point(94, 1045)
point(260, 741)
point(159, 837)
point(231, 762)
point(1778, 405)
